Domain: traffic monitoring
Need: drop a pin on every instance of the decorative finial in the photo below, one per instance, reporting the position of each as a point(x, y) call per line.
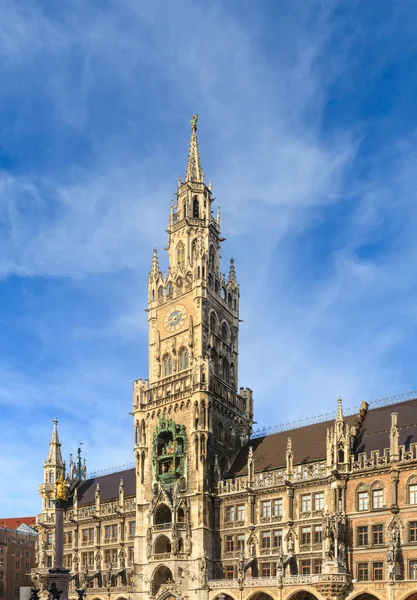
point(339, 409)
point(193, 121)
point(232, 271)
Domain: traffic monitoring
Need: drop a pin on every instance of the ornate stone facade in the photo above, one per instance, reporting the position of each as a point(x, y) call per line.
point(210, 512)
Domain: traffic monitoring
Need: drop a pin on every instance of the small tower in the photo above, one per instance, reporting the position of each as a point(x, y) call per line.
point(338, 442)
point(53, 467)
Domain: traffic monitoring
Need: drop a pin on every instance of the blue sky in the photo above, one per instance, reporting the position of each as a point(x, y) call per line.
point(307, 127)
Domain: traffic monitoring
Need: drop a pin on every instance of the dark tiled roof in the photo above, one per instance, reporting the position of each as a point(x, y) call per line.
point(109, 487)
point(309, 443)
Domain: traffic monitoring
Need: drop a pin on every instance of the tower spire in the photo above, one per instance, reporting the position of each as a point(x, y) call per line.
point(339, 417)
point(54, 454)
point(194, 169)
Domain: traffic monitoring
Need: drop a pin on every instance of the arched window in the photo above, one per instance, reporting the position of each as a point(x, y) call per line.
point(229, 299)
point(211, 257)
point(213, 323)
point(153, 295)
point(221, 431)
point(162, 545)
point(362, 497)
point(232, 373)
point(167, 362)
point(162, 515)
point(223, 293)
point(412, 490)
point(215, 360)
point(196, 209)
point(210, 280)
point(377, 494)
point(193, 250)
point(183, 359)
point(224, 467)
point(180, 545)
point(225, 367)
point(225, 332)
point(216, 287)
point(181, 515)
point(160, 292)
point(180, 255)
point(170, 288)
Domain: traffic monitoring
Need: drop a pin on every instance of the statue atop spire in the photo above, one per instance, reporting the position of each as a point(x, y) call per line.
point(194, 169)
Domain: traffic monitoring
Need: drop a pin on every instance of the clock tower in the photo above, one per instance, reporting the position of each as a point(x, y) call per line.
point(189, 418)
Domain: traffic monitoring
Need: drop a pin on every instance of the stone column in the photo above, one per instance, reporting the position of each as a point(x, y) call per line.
point(58, 576)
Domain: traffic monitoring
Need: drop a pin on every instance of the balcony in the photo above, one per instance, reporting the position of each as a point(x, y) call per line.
point(320, 581)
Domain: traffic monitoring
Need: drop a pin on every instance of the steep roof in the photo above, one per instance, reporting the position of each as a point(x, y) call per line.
point(309, 443)
point(109, 487)
point(15, 522)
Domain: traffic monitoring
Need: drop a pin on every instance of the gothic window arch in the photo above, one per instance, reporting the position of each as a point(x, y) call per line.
point(215, 360)
point(196, 208)
point(216, 287)
point(160, 292)
point(153, 295)
point(167, 365)
point(210, 280)
point(412, 490)
point(163, 515)
point(229, 299)
point(170, 288)
point(224, 467)
point(179, 282)
point(223, 293)
point(225, 332)
point(225, 368)
point(194, 249)
point(162, 545)
point(232, 373)
point(220, 429)
point(211, 257)
point(213, 322)
point(180, 255)
point(362, 497)
point(183, 359)
point(377, 494)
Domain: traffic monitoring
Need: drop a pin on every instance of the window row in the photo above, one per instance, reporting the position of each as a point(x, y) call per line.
point(271, 508)
point(373, 498)
point(88, 534)
point(269, 569)
point(374, 535)
point(312, 502)
point(183, 362)
point(235, 513)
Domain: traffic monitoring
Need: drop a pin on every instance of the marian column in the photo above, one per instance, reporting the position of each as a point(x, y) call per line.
point(58, 576)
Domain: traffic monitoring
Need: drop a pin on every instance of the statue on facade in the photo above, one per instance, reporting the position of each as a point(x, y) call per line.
point(81, 593)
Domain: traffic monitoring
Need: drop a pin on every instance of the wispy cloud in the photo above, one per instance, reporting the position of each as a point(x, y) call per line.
point(319, 215)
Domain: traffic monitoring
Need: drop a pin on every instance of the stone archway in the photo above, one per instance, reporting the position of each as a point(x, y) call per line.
point(161, 576)
point(223, 597)
point(303, 595)
point(412, 596)
point(366, 596)
point(261, 596)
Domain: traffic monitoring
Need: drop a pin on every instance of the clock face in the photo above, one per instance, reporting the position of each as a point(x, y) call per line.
point(175, 317)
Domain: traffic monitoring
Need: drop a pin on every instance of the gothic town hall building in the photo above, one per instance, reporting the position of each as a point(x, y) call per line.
point(209, 511)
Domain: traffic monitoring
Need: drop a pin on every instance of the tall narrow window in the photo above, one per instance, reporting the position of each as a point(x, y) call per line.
point(167, 365)
point(211, 257)
point(213, 327)
point(183, 359)
point(193, 250)
point(180, 255)
point(225, 366)
point(196, 208)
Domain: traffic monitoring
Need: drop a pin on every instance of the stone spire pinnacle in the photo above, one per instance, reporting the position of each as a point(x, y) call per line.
point(339, 416)
point(194, 169)
point(232, 271)
point(155, 263)
point(54, 454)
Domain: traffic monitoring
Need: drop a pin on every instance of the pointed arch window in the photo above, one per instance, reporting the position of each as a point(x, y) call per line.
point(210, 280)
point(216, 287)
point(179, 282)
point(180, 255)
point(196, 208)
point(160, 292)
point(194, 250)
point(412, 490)
point(167, 363)
point(213, 323)
point(225, 367)
point(170, 288)
point(211, 257)
point(183, 359)
point(225, 332)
